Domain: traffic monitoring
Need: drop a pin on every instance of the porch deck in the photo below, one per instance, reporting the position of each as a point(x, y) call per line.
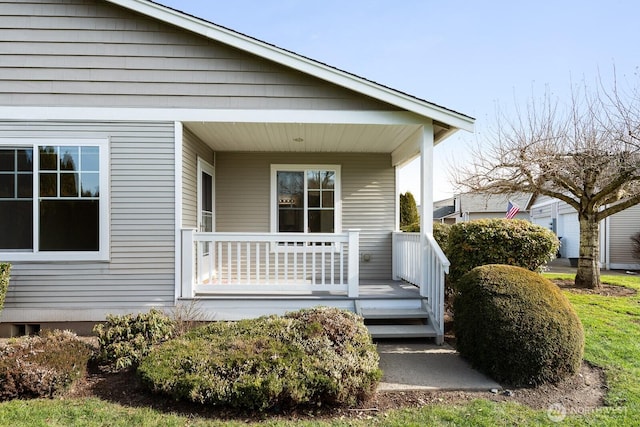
point(368, 290)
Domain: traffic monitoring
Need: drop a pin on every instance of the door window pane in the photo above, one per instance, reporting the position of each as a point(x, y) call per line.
point(290, 201)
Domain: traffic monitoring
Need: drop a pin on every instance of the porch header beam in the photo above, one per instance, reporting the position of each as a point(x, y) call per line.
point(213, 116)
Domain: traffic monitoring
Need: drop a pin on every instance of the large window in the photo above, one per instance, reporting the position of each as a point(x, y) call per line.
point(305, 199)
point(52, 200)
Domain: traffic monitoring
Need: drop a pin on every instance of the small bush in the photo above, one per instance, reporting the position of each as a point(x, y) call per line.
point(318, 356)
point(516, 326)
point(498, 241)
point(41, 366)
point(124, 340)
point(5, 269)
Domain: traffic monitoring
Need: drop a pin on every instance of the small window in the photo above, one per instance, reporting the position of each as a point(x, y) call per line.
point(305, 199)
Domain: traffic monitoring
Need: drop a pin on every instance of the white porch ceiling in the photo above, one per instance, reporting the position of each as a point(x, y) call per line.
point(306, 137)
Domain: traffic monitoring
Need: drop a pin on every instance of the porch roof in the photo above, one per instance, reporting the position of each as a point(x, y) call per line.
point(321, 135)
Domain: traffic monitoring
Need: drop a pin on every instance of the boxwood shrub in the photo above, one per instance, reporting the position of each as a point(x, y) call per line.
point(516, 326)
point(320, 356)
point(41, 366)
point(124, 340)
point(498, 241)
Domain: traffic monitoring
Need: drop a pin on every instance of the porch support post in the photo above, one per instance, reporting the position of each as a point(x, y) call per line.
point(353, 281)
point(426, 203)
point(188, 264)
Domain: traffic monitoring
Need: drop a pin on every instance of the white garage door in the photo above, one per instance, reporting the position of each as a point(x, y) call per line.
point(569, 230)
point(543, 221)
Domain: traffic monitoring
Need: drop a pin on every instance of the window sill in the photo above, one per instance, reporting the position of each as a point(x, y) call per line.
point(54, 256)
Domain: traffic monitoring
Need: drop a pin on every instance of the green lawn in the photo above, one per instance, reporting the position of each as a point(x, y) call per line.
point(612, 327)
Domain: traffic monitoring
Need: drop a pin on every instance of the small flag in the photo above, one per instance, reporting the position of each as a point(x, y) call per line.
point(512, 210)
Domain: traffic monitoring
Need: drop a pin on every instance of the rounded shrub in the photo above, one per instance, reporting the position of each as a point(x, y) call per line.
point(498, 241)
point(124, 340)
point(516, 326)
point(318, 356)
point(41, 366)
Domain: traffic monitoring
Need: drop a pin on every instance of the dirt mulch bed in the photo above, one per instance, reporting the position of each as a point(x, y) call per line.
point(605, 290)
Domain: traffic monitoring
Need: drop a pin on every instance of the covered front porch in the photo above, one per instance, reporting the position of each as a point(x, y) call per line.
point(251, 274)
point(290, 209)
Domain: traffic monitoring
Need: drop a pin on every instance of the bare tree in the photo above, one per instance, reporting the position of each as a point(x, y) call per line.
point(585, 152)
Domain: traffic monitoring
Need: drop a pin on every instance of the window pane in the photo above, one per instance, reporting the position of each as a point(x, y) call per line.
point(25, 186)
point(313, 179)
point(328, 180)
point(7, 186)
point(321, 221)
point(291, 220)
point(90, 158)
point(69, 158)
point(314, 199)
point(7, 160)
point(69, 225)
point(25, 160)
point(48, 185)
point(48, 158)
point(68, 185)
point(290, 189)
point(327, 199)
point(90, 185)
point(16, 224)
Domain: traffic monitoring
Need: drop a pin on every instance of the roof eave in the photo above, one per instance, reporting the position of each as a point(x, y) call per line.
point(301, 63)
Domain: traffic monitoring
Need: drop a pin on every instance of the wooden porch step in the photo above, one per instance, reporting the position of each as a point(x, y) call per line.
point(402, 331)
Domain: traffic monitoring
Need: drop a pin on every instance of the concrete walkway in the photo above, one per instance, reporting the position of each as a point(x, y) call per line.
point(418, 365)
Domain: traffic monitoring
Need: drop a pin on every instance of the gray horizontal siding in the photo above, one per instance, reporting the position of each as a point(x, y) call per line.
point(368, 196)
point(623, 225)
point(91, 53)
point(192, 148)
point(142, 259)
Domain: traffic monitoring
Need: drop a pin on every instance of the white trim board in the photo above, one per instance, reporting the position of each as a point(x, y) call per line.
point(297, 62)
point(10, 112)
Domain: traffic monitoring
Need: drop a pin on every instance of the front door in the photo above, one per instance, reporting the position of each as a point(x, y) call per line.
point(206, 220)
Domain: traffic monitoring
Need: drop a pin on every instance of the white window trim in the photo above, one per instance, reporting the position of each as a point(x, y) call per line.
point(104, 217)
point(275, 168)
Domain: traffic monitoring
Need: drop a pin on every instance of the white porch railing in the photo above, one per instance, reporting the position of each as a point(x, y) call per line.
point(267, 262)
point(424, 264)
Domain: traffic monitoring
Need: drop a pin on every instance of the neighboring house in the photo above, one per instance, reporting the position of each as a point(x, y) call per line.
point(615, 231)
point(148, 158)
point(469, 206)
point(443, 211)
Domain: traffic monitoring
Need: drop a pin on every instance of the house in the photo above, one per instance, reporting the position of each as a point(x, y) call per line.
point(150, 158)
point(469, 206)
point(615, 232)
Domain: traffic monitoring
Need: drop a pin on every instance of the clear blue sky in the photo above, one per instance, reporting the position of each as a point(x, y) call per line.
point(465, 55)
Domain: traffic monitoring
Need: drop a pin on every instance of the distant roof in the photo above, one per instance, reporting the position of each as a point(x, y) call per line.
point(443, 211)
point(298, 62)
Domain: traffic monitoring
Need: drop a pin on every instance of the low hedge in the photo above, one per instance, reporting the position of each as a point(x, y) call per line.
point(516, 326)
point(41, 366)
point(319, 356)
point(124, 340)
point(498, 241)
